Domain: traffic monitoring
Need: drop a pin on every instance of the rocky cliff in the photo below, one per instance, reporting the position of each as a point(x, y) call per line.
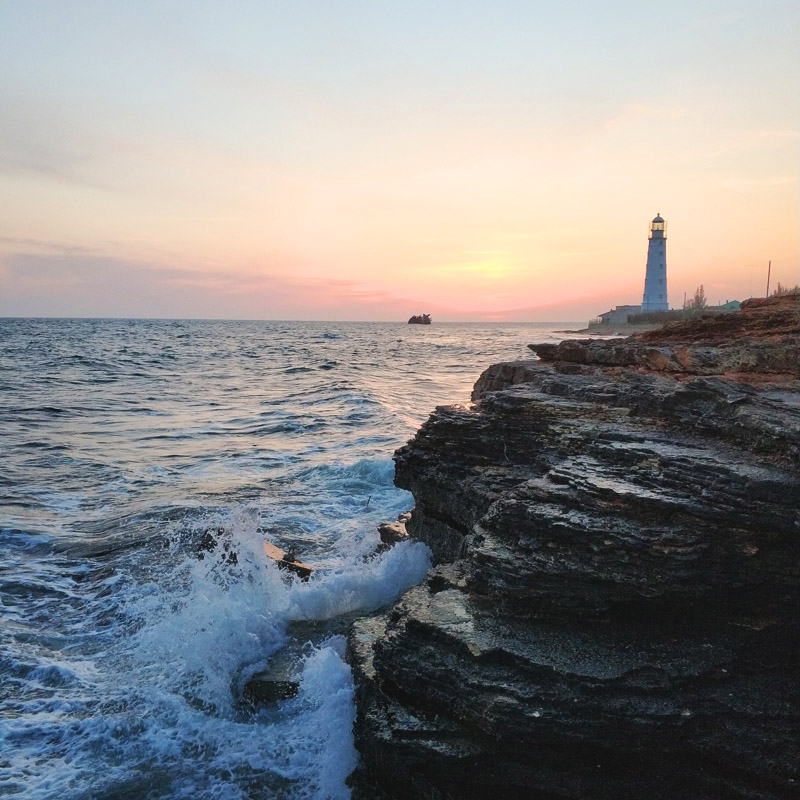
point(614, 608)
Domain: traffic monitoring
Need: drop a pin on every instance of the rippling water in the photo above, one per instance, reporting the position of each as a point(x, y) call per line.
point(123, 655)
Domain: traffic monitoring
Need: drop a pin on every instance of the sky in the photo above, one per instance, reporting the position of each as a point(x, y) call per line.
point(369, 160)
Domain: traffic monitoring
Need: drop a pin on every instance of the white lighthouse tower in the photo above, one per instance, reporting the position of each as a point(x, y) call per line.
point(655, 279)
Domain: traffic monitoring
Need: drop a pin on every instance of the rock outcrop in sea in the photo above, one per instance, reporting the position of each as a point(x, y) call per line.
point(614, 610)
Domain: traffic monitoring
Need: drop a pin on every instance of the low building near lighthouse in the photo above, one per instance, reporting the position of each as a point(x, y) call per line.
point(618, 315)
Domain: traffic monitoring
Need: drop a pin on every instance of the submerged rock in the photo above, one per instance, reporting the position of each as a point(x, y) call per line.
point(392, 532)
point(615, 610)
point(279, 682)
point(264, 689)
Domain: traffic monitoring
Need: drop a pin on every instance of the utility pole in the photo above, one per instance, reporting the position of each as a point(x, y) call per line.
point(769, 272)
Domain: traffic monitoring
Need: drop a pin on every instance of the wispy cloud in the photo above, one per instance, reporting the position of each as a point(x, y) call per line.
point(15, 242)
point(96, 285)
point(776, 133)
point(72, 284)
point(716, 21)
point(38, 139)
point(780, 180)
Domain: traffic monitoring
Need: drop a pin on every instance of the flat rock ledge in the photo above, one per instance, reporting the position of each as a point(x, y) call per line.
point(614, 609)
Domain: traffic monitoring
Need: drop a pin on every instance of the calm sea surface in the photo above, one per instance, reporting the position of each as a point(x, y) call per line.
point(122, 654)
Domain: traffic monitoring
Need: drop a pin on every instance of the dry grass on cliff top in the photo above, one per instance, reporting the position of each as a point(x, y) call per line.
point(764, 318)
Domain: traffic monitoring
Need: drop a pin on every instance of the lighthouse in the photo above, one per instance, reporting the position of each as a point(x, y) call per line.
point(655, 279)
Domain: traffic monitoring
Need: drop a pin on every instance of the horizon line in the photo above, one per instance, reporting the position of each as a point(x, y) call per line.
point(265, 319)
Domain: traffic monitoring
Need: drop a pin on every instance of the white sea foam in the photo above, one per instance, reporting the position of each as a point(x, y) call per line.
point(359, 586)
point(160, 699)
point(219, 616)
point(219, 623)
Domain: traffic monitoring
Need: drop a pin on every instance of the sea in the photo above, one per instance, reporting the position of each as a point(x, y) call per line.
point(125, 647)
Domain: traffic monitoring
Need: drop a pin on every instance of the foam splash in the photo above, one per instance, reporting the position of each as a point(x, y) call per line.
point(218, 617)
point(156, 711)
point(360, 586)
point(326, 701)
point(220, 623)
point(207, 620)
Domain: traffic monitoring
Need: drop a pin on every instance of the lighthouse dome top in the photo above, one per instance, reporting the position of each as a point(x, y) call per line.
point(658, 218)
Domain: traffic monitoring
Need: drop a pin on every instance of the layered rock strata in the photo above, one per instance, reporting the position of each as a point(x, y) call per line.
point(614, 610)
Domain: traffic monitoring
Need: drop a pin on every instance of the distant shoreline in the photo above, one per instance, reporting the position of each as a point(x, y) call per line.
point(623, 329)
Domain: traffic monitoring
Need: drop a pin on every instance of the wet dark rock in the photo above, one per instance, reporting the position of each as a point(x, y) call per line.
point(392, 532)
point(262, 689)
point(615, 606)
point(275, 684)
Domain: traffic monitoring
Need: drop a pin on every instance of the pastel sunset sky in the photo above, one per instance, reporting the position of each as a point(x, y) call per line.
point(362, 159)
